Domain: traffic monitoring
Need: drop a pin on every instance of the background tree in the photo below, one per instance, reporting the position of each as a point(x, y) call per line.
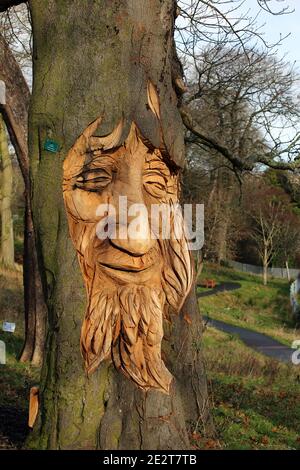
point(7, 235)
point(271, 220)
point(290, 244)
point(252, 113)
point(246, 95)
point(15, 114)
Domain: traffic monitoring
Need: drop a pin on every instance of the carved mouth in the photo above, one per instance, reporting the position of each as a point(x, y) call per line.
point(126, 269)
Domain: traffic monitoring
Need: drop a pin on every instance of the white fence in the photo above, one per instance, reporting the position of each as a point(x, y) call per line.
point(275, 272)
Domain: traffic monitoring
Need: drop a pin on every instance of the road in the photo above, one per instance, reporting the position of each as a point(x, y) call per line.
point(260, 342)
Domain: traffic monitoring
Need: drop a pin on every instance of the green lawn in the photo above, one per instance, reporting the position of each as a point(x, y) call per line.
point(255, 400)
point(15, 379)
point(261, 308)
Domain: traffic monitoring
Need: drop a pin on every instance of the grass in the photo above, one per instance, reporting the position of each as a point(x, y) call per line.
point(265, 309)
point(16, 379)
point(255, 400)
point(11, 298)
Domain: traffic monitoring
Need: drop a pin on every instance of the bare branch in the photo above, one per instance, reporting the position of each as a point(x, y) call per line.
point(208, 141)
point(242, 165)
point(15, 109)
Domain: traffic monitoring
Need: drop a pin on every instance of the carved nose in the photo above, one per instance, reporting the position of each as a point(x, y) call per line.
point(134, 238)
point(133, 233)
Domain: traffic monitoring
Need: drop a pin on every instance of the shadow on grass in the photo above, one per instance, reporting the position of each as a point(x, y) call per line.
point(11, 304)
point(13, 427)
point(13, 342)
point(15, 382)
point(14, 392)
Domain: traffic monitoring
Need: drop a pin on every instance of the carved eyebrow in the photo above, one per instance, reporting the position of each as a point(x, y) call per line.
point(153, 172)
point(158, 167)
point(95, 171)
point(99, 161)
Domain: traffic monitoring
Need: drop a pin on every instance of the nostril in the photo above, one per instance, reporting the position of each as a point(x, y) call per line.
point(133, 247)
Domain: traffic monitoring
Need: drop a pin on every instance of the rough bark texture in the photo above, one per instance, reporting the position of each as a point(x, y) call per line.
point(15, 114)
point(92, 59)
point(7, 253)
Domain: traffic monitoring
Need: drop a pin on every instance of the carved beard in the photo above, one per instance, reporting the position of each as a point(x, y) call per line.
point(127, 323)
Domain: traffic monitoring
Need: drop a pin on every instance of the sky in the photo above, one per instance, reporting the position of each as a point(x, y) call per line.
point(282, 24)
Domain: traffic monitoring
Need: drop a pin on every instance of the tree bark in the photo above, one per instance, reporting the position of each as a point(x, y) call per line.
point(225, 181)
point(7, 255)
point(265, 272)
point(15, 114)
point(93, 59)
point(287, 270)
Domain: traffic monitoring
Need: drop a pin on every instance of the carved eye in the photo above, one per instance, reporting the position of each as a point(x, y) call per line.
point(93, 180)
point(155, 184)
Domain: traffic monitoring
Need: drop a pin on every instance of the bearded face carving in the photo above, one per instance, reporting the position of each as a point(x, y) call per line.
point(130, 280)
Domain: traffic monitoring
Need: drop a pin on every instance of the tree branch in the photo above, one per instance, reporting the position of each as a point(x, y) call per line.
point(209, 142)
point(243, 165)
point(15, 109)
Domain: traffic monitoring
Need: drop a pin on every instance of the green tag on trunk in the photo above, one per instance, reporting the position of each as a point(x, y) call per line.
point(51, 146)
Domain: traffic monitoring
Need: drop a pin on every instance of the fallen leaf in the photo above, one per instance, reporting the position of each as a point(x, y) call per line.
point(265, 440)
point(211, 444)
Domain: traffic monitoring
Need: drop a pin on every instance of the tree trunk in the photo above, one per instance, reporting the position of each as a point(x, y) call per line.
point(199, 265)
point(222, 235)
point(265, 273)
point(95, 59)
point(225, 194)
point(7, 255)
point(287, 270)
point(34, 301)
point(15, 114)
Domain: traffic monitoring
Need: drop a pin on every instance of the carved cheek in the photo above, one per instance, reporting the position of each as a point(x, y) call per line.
point(83, 205)
point(154, 185)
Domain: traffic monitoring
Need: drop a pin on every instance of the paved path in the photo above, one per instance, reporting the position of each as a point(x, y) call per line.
point(225, 286)
point(258, 341)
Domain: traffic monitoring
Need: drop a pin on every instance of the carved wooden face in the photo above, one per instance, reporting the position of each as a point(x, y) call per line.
point(130, 276)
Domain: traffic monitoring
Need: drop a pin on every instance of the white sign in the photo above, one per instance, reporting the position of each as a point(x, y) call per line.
point(2, 353)
point(296, 354)
point(2, 92)
point(9, 327)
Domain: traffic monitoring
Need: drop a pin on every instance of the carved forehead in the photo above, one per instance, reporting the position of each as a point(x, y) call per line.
point(152, 159)
point(91, 152)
